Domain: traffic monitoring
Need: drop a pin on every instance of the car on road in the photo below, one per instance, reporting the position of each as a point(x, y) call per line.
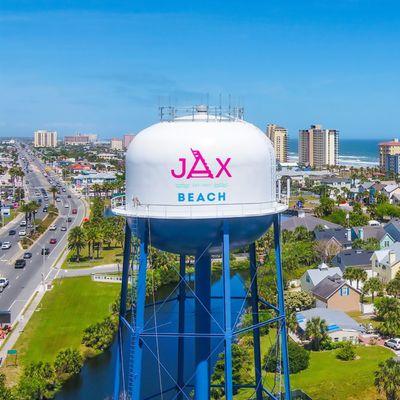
point(64, 190)
point(53, 227)
point(22, 223)
point(20, 263)
point(66, 205)
point(74, 211)
point(45, 209)
point(12, 232)
point(6, 246)
point(69, 196)
point(58, 199)
point(45, 251)
point(69, 219)
point(3, 283)
point(53, 241)
point(27, 255)
point(393, 343)
point(22, 233)
point(63, 228)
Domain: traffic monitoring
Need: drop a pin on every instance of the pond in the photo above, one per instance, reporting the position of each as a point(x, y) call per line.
point(95, 382)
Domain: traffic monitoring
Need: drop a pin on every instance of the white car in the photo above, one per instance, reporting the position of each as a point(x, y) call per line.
point(53, 227)
point(393, 343)
point(66, 205)
point(22, 223)
point(22, 233)
point(6, 245)
point(3, 283)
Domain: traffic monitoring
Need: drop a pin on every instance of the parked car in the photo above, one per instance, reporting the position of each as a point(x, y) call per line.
point(393, 343)
point(22, 233)
point(45, 251)
point(3, 283)
point(12, 232)
point(53, 241)
point(20, 263)
point(6, 245)
point(27, 255)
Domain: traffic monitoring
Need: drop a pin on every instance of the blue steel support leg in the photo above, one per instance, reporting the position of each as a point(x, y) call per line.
point(227, 313)
point(122, 309)
point(256, 320)
point(203, 326)
point(181, 327)
point(139, 323)
point(281, 305)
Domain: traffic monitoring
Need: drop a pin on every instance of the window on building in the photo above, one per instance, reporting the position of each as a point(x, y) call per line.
point(345, 291)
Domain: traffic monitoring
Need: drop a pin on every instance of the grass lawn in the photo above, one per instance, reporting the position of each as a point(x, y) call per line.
point(107, 256)
point(328, 378)
point(364, 319)
point(62, 315)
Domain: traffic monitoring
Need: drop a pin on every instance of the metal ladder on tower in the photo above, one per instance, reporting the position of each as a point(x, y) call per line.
point(133, 291)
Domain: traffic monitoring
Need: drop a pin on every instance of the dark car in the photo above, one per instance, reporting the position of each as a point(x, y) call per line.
point(45, 251)
point(69, 219)
point(53, 241)
point(69, 196)
point(20, 263)
point(44, 209)
point(12, 232)
point(27, 255)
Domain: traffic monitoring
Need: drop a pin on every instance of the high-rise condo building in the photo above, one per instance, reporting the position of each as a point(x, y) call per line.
point(386, 151)
point(279, 139)
point(80, 139)
point(128, 139)
point(44, 138)
point(318, 148)
point(116, 144)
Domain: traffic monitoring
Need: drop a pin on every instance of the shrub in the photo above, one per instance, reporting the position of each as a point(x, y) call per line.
point(68, 362)
point(299, 358)
point(347, 352)
point(99, 336)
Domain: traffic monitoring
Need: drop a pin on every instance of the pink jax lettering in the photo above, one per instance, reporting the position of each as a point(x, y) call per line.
point(200, 168)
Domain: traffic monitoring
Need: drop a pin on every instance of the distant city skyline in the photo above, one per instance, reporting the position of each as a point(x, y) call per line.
point(105, 67)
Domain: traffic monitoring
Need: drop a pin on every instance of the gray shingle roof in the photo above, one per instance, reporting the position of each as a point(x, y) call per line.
point(340, 234)
point(353, 258)
point(376, 232)
point(328, 286)
point(308, 221)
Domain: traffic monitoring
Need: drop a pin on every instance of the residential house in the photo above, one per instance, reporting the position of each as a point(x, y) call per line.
point(386, 263)
point(392, 229)
point(342, 237)
point(334, 292)
point(354, 258)
point(308, 221)
point(376, 232)
point(340, 327)
point(390, 191)
point(312, 277)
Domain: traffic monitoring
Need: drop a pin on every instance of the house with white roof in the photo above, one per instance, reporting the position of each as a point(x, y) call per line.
point(386, 263)
point(312, 277)
point(340, 327)
point(390, 191)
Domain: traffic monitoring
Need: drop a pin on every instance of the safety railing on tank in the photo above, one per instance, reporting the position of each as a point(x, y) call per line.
point(119, 206)
point(210, 113)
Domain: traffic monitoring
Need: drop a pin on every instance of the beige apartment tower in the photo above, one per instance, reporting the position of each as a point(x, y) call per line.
point(386, 149)
point(318, 147)
point(45, 139)
point(279, 139)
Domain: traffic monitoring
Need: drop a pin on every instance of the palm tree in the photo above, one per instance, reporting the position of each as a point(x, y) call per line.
point(373, 285)
point(76, 240)
point(387, 379)
point(350, 275)
point(316, 332)
point(360, 275)
point(33, 207)
point(393, 287)
point(15, 172)
point(53, 191)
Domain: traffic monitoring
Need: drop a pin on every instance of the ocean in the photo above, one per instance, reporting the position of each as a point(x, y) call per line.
point(353, 152)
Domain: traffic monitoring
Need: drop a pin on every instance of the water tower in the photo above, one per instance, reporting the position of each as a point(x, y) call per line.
point(201, 182)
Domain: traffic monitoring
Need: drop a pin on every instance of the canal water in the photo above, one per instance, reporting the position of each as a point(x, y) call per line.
point(95, 382)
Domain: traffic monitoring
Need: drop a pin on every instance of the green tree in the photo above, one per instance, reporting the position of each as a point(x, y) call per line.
point(299, 358)
point(316, 332)
point(68, 362)
point(350, 274)
point(76, 240)
point(99, 336)
point(297, 301)
point(373, 285)
point(393, 287)
point(387, 379)
point(325, 207)
point(38, 382)
point(346, 352)
point(53, 191)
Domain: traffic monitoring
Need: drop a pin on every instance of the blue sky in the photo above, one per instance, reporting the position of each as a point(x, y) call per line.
point(105, 66)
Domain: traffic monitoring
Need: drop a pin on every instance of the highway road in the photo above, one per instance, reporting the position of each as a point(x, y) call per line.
point(38, 269)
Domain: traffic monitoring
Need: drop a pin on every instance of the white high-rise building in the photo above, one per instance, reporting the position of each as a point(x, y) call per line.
point(279, 139)
point(44, 138)
point(117, 144)
point(318, 148)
